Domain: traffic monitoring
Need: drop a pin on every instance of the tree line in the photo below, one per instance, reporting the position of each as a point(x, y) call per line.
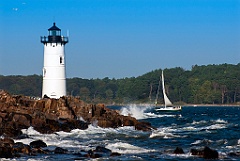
point(206, 84)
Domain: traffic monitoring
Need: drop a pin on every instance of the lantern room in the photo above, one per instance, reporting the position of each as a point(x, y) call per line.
point(54, 36)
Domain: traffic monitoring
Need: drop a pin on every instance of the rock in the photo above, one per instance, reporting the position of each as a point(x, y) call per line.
point(75, 124)
point(7, 141)
point(59, 150)
point(206, 153)
point(38, 144)
point(19, 147)
point(91, 154)
point(38, 122)
point(234, 154)
point(6, 152)
point(114, 154)
point(178, 150)
point(196, 152)
point(10, 132)
point(96, 155)
point(45, 96)
point(36, 151)
point(210, 153)
point(22, 121)
point(102, 150)
point(144, 126)
point(6, 148)
point(99, 152)
point(22, 136)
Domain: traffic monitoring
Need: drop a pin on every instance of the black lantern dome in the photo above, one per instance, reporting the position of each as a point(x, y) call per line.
point(54, 36)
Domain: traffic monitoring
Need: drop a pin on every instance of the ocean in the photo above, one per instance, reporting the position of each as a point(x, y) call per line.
point(191, 128)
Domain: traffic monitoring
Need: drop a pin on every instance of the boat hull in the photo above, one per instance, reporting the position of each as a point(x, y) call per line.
point(177, 108)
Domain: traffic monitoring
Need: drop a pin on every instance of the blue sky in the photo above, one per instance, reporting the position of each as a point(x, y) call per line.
point(120, 38)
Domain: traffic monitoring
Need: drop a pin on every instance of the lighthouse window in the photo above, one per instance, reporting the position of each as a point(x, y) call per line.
point(61, 60)
point(53, 33)
point(44, 72)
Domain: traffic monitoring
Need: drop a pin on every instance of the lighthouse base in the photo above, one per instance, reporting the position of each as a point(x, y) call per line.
point(54, 88)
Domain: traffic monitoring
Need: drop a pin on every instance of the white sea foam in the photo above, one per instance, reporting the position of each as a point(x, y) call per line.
point(70, 140)
point(126, 148)
point(89, 136)
point(189, 128)
point(30, 131)
point(204, 141)
point(153, 115)
point(205, 125)
point(216, 126)
point(139, 112)
point(178, 156)
point(210, 127)
point(166, 133)
point(92, 133)
point(222, 141)
point(55, 139)
point(135, 111)
point(220, 121)
point(197, 142)
point(199, 122)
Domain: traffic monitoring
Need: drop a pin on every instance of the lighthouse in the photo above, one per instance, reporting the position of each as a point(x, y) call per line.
point(54, 72)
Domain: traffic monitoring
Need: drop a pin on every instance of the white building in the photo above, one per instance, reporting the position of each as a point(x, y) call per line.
point(54, 72)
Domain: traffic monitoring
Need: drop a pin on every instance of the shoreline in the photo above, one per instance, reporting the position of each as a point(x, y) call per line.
point(185, 105)
point(211, 105)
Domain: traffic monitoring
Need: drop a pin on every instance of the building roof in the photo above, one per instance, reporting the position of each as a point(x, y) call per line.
point(54, 27)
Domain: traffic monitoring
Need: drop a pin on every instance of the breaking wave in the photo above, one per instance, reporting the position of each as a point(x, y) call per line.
point(136, 111)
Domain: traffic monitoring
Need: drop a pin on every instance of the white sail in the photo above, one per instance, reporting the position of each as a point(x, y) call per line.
point(166, 99)
point(168, 104)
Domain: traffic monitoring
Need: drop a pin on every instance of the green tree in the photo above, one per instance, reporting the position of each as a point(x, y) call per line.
point(206, 92)
point(201, 84)
point(84, 94)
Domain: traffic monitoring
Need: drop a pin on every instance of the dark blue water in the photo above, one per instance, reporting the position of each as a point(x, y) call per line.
point(193, 127)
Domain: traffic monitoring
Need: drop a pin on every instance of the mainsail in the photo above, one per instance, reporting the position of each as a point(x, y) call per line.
point(166, 99)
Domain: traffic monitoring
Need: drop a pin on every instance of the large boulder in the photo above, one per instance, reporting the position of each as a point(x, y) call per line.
point(144, 126)
point(20, 148)
point(206, 153)
point(38, 144)
point(210, 153)
point(6, 152)
point(59, 150)
point(22, 120)
point(178, 150)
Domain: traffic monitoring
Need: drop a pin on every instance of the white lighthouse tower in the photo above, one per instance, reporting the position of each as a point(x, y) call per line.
point(54, 72)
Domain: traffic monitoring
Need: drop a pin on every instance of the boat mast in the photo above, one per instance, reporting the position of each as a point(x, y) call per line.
point(150, 93)
point(158, 91)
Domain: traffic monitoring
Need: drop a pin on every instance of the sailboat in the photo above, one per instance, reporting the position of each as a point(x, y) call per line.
point(168, 106)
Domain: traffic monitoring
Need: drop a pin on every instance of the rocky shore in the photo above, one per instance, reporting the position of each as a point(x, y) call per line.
point(52, 115)
point(11, 149)
point(64, 114)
